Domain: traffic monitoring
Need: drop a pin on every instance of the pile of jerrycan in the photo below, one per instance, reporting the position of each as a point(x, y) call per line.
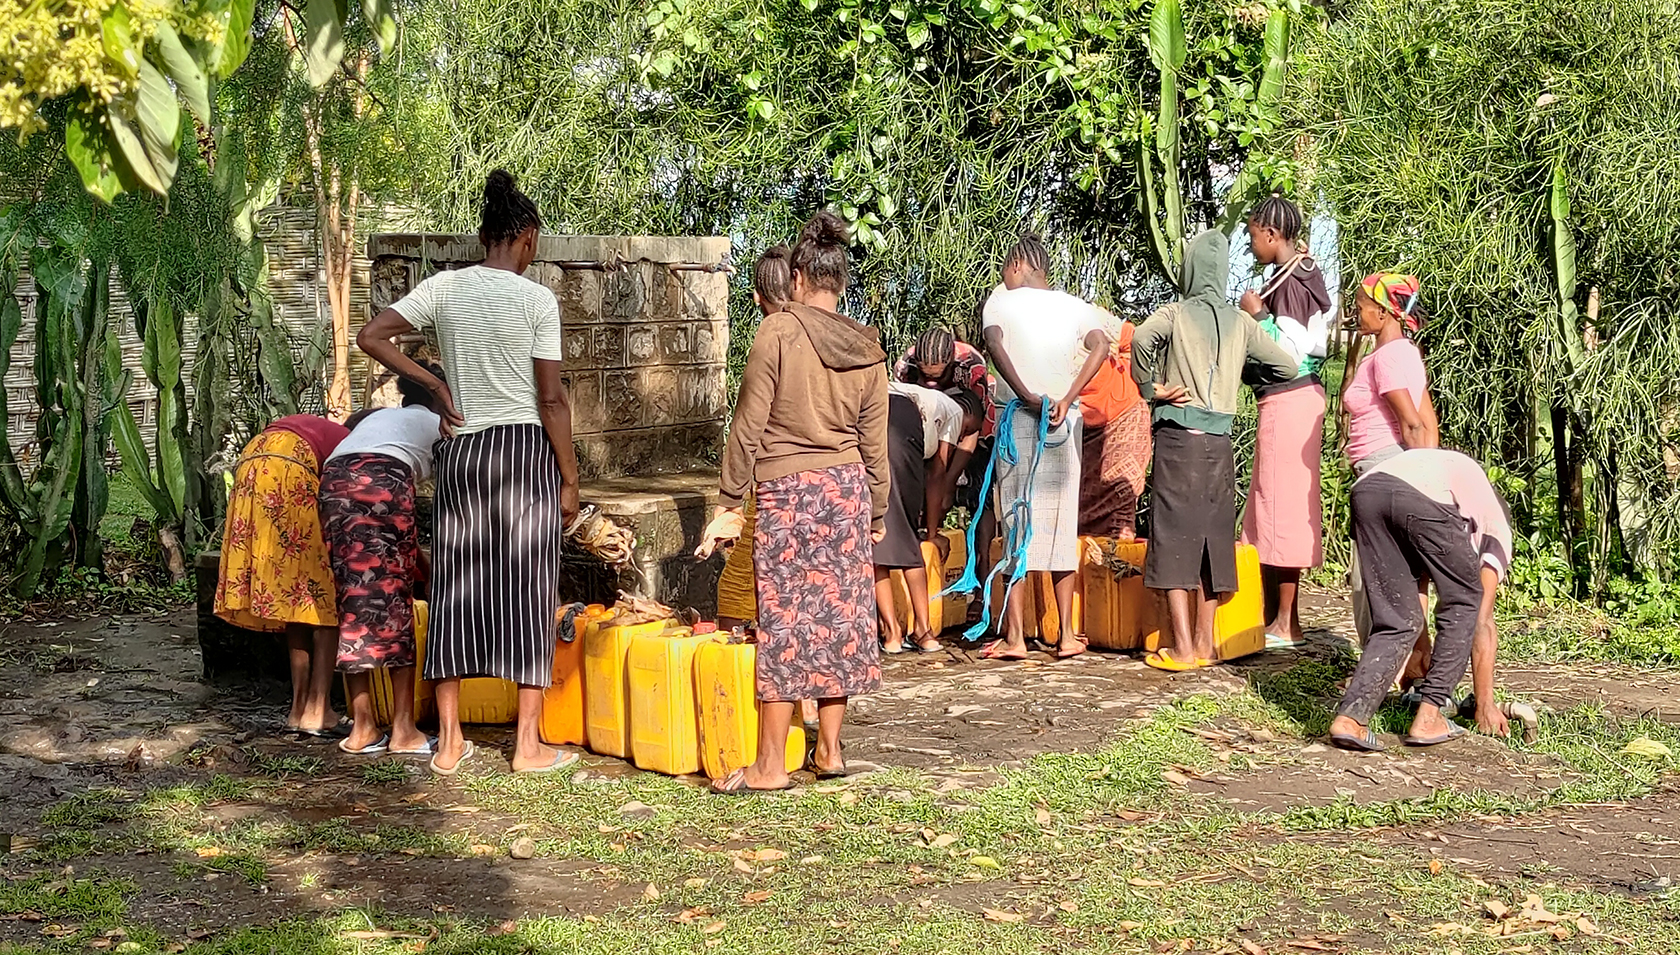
point(638, 683)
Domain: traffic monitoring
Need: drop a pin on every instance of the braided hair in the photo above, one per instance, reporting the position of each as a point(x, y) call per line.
point(936, 346)
point(771, 276)
point(507, 212)
point(820, 253)
point(1028, 253)
point(1279, 214)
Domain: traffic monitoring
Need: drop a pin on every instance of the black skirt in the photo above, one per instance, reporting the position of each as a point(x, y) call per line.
point(1193, 514)
point(902, 547)
point(495, 557)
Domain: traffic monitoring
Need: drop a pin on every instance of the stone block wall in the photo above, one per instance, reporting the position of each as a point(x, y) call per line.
point(646, 335)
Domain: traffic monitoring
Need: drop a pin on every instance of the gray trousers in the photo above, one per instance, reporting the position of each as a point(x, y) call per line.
point(1402, 535)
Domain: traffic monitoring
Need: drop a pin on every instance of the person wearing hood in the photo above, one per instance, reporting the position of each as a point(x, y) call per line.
point(809, 441)
point(1189, 360)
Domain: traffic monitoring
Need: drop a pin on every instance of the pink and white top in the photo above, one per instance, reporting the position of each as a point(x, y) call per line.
point(1372, 424)
point(1456, 480)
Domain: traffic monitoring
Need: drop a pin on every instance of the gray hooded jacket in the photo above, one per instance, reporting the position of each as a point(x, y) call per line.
point(1202, 343)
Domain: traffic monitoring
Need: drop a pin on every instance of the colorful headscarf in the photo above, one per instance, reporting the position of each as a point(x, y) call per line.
point(1397, 295)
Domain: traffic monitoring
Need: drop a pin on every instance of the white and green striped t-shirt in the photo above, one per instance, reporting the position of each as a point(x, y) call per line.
point(490, 324)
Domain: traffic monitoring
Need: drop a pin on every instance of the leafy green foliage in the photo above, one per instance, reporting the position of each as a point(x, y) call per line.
point(939, 129)
point(1518, 155)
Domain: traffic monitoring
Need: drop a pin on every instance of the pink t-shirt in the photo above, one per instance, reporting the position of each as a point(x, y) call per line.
point(1372, 425)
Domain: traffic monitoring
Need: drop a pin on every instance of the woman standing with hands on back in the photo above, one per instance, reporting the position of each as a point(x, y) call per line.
point(507, 476)
point(809, 441)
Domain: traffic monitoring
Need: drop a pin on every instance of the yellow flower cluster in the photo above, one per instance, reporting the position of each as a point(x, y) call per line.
point(57, 47)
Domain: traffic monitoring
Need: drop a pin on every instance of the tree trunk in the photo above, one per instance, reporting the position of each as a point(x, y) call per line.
point(336, 200)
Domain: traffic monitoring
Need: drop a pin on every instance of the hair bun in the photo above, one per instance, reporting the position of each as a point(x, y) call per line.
point(777, 251)
point(499, 185)
point(826, 229)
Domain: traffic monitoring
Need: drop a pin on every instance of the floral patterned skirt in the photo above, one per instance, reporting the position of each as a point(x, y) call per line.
point(367, 515)
point(274, 559)
point(814, 567)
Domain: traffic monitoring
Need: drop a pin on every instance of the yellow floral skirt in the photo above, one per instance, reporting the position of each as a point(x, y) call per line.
point(274, 559)
point(737, 594)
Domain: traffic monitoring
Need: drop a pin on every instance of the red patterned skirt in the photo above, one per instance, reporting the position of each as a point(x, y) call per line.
point(367, 517)
point(814, 567)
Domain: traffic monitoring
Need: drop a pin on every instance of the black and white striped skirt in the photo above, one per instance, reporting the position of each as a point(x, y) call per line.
point(495, 556)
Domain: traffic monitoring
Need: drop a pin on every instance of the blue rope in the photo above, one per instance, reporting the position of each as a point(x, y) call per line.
point(1016, 520)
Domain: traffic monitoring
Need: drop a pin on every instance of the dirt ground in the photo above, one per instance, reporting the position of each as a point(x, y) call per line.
point(118, 702)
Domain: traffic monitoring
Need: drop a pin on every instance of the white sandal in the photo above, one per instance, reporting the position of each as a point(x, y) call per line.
point(467, 750)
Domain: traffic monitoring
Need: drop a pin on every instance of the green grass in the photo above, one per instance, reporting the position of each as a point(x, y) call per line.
point(1094, 852)
point(385, 772)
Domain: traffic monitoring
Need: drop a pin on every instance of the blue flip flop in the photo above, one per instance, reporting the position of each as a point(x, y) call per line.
point(1454, 731)
point(1358, 744)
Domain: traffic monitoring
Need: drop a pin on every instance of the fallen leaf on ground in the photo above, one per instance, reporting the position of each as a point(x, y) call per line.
point(651, 893)
point(1251, 948)
point(1146, 883)
point(1646, 747)
point(1394, 917)
point(1496, 910)
point(1175, 777)
point(742, 865)
point(56, 930)
point(764, 855)
point(1534, 910)
point(1042, 817)
point(1130, 815)
point(985, 862)
point(712, 928)
point(1434, 866)
point(1129, 926)
point(811, 860)
point(753, 898)
point(942, 841)
point(1585, 926)
point(208, 852)
point(692, 915)
point(998, 915)
point(694, 884)
point(1069, 905)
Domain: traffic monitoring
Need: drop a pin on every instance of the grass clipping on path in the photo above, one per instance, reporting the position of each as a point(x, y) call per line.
point(1102, 851)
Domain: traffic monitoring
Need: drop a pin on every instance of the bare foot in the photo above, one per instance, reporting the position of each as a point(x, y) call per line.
point(327, 722)
point(536, 759)
point(1428, 723)
point(1071, 646)
point(362, 735)
point(448, 756)
point(1004, 650)
point(407, 740)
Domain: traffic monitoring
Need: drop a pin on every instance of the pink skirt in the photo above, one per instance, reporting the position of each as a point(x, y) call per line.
point(1284, 519)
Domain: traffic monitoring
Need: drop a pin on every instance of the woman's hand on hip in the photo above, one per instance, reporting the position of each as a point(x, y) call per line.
point(725, 526)
point(449, 418)
point(1176, 395)
point(569, 505)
